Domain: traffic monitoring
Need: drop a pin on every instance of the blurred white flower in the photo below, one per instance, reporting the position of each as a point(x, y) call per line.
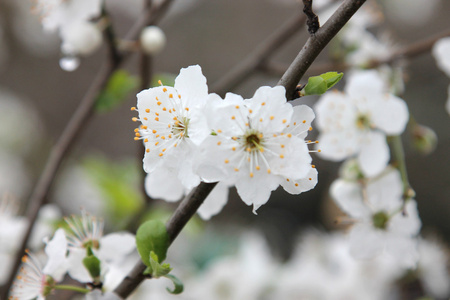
point(14, 176)
point(34, 281)
point(432, 268)
point(153, 40)
point(172, 125)
point(357, 122)
point(441, 52)
point(80, 38)
point(383, 223)
point(87, 232)
point(257, 145)
point(59, 13)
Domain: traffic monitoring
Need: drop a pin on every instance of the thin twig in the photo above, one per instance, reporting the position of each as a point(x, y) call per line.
point(184, 212)
point(316, 43)
point(313, 20)
point(75, 126)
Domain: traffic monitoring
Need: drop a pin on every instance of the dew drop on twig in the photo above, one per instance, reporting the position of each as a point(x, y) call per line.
point(69, 63)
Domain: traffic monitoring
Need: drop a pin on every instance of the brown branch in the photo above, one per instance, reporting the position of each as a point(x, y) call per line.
point(72, 130)
point(184, 212)
point(315, 44)
point(313, 20)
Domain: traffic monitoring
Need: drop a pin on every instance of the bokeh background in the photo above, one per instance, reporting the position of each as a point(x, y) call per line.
point(37, 99)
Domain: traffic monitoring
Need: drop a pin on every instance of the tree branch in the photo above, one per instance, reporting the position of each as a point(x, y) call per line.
point(316, 43)
point(184, 212)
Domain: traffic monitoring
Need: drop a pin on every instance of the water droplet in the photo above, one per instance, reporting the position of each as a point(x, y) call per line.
point(69, 63)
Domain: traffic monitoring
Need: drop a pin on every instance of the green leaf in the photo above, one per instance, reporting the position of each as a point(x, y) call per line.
point(119, 86)
point(157, 270)
point(317, 85)
point(92, 264)
point(177, 283)
point(152, 237)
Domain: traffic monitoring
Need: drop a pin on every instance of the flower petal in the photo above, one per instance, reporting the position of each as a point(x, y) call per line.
point(384, 193)
point(348, 196)
point(374, 154)
point(56, 250)
point(366, 241)
point(115, 246)
point(403, 249)
point(163, 183)
point(296, 187)
point(215, 201)
point(363, 83)
point(191, 85)
point(390, 114)
point(407, 224)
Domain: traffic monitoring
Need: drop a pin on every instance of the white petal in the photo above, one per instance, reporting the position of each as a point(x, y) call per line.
point(163, 183)
point(97, 295)
point(210, 162)
point(296, 187)
point(407, 224)
point(191, 85)
point(404, 249)
point(215, 201)
point(56, 251)
point(441, 50)
point(365, 241)
point(374, 154)
point(363, 83)
point(301, 121)
point(335, 112)
point(348, 196)
point(76, 268)
point(256, 190)
point(115, 246)
point(336, 146)
point(384, 193)
point(390, 114)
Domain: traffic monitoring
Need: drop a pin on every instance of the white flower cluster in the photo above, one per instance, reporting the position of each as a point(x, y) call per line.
point(254, 144)
point(67, 252)
point(320, 268)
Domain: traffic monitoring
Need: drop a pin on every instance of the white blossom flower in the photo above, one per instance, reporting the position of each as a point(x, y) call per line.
point(87, 232)
point(80, 38)
point(357, 122)
point(58, 13)
point(257, 145)
point(432, 268)
point(35, 282)
point(441, 52)
point(172, 125)
point(383, 223)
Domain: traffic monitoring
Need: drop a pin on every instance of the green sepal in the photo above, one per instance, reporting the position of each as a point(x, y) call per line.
point(92, 264)
point(178, 285)
point(120, 84)
point(152, 237)
point(317, 85)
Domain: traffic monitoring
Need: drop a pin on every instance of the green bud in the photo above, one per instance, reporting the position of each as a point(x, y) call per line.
point(424, 139)
point(92, 264)
point(317, 85)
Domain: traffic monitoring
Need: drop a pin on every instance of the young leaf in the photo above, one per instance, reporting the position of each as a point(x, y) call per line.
point(317, 85)
point(177, 283)
point(152, 236)
point(92, 264)
point(119, 86)
point(158, 269)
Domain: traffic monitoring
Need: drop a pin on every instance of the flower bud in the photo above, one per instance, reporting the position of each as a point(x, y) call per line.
point(80, 38)
point(424, 139)
point(152, 40)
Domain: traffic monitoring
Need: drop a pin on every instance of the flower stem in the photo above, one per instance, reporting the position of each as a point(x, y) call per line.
point(71, 288)
point(399, 156)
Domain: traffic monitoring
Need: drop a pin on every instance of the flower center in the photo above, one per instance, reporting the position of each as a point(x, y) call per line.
point(380, 220)
point(252, 140)
point(93, 244)
point(180, 127)
point(363, 121)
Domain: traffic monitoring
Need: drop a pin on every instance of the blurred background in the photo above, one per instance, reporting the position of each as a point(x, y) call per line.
point(103, 171)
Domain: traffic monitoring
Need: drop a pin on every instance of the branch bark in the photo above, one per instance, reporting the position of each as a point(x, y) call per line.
point(316, 43)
